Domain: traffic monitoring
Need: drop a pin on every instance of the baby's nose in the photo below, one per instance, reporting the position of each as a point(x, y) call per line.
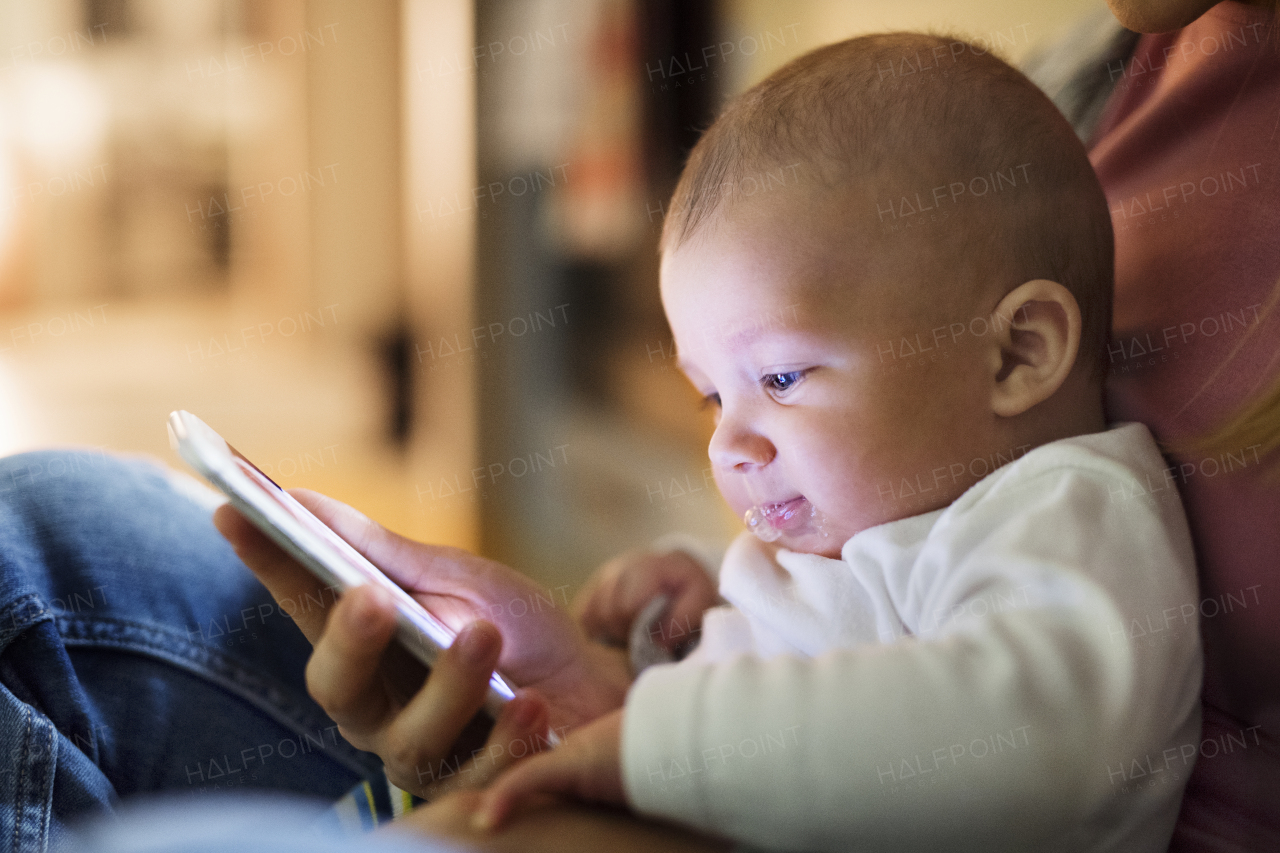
point(736, 447)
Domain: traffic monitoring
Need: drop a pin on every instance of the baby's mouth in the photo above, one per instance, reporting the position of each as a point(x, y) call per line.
point(789, 514)
point(769, 521)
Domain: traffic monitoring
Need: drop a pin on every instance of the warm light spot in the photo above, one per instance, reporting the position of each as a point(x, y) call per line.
point(61, 114)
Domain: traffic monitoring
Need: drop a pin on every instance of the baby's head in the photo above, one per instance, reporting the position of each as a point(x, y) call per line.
point(890, 267)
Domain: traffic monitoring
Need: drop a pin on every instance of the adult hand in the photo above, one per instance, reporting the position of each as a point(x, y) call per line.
point(616, 593)
point(552, 828)
point(367, 684)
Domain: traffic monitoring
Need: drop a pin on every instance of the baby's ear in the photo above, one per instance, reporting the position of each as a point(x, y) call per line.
point(1037, 336)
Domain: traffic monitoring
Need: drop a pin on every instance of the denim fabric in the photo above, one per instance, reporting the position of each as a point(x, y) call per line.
point(264, 824)
point(137, 654)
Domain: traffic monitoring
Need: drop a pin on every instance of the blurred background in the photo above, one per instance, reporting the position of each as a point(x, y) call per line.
point(399, 251)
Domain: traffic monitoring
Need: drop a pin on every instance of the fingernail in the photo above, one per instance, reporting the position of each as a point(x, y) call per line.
point(526, 711)
point(362, 616)
point(380, 597)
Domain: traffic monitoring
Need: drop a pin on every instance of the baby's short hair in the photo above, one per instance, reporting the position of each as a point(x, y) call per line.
point(908, 113)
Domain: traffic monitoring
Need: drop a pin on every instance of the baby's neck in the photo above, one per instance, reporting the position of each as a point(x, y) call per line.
point(1076, 409)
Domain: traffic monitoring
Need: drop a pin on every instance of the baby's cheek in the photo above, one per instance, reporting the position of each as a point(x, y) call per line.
point(855, 491)
point(732, 492)
point(839, 496)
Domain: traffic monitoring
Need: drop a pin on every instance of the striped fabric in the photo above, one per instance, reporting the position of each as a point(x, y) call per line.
point(369, 805)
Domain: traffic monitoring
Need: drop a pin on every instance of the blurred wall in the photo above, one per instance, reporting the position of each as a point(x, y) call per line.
point(439, 172)
point(354, 121)
point(1013, 27)
point(328, 227)
point(213, 205)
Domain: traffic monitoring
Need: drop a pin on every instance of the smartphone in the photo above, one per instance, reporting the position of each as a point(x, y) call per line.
point(312, 542)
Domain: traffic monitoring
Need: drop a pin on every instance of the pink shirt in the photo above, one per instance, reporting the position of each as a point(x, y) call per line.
point(1187, 152)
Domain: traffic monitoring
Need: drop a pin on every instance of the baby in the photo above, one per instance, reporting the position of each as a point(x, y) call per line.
point(962, 622)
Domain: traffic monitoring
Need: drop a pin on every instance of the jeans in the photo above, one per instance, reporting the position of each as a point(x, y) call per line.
point(265, 823)
point(139, 655)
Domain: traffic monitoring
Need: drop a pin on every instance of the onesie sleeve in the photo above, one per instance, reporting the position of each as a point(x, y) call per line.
point(997, 723)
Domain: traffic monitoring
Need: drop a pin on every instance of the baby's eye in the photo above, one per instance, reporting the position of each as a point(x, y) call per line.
point(783, 382)
point(711, 401)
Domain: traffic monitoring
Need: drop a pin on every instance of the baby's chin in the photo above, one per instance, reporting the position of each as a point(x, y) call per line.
point(826, 535)
point(797, 526)
point(811, 541)
point(822, 547)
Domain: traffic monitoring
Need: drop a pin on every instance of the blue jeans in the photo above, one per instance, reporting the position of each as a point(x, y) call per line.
point(265, 823)
point(139, 655)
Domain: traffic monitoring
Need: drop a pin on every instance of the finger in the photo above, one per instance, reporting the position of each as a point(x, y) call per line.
point(637, 589)
point(670, 574)
point(689, 590)
point(691, 602)
point(684, 620)
point(415, 565)
point(398, 557)
point(520, 732)
point(352, 525)
point(598, 614)
point(582, 607)
point(421, 734)
point(548, 773)
point(447, 814)
point(300, 594)
point(343, 672)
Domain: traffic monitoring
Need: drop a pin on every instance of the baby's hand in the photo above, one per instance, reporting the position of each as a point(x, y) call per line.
point(588, 765)
point(620, 589)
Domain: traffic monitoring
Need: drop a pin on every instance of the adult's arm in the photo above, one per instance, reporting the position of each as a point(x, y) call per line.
point(554, 827)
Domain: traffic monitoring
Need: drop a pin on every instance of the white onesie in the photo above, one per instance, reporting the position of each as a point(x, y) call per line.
point(1020, 670)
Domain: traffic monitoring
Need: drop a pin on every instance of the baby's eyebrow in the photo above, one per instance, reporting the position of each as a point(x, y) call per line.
point(743, 338)
point(783, 323)
point(783, 320)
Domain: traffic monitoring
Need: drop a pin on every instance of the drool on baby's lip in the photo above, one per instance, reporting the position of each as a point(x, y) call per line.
point(788, 514)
